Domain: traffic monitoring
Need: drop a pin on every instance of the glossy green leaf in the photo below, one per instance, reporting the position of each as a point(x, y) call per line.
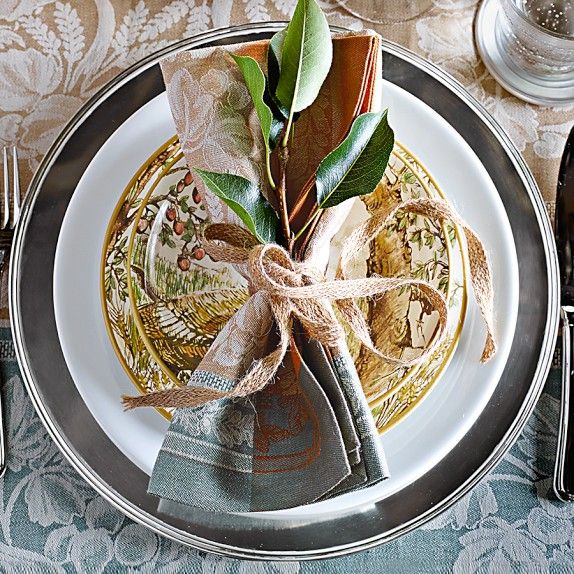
point(245, 199)
point(306, 56)
point(357, 165)
point(273, 73)
point(274, 59)
point(255, 82)
point(275, 51)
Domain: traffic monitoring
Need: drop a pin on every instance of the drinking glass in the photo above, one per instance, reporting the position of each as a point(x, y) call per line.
point(528, 46)
point(385, 11)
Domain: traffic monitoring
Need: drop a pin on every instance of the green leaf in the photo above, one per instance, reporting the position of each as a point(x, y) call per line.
point(416, 237)
point(274, 58)
point(273, 73)
point(280, 112)
point(306, 56)
point(443, 284)
point(255, 81)
point(245, 199)
point(409, 177)
point(357, 165)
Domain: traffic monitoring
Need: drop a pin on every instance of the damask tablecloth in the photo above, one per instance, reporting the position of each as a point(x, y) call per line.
point(53, 56)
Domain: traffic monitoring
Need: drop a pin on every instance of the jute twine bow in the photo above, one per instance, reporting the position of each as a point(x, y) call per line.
point(296, 290)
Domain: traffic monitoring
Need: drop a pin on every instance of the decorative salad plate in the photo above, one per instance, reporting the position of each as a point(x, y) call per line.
point(160, 310)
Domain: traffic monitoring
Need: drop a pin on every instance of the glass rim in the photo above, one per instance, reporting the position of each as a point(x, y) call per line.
point(520, 13)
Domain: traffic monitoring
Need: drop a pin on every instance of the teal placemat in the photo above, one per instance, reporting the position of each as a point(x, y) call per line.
point(51, 521)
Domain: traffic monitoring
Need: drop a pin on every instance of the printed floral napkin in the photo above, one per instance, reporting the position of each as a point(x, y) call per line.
point(309, 435)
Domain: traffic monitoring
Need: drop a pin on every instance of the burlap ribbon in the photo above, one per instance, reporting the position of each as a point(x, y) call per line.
point(297, 291)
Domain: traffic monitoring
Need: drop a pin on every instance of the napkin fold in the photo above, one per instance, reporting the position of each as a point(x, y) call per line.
point(309, 435)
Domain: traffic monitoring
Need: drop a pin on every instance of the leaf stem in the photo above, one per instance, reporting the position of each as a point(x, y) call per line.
point(309, 221)
point(268, 167)
point(285, 140)
point(282, 197)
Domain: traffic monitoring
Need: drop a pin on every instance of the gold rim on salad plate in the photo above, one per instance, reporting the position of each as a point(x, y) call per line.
point(103, 263)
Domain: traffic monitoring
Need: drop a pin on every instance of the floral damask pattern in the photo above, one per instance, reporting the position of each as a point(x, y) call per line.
point(54, 55)
point(445, 37)
point(52, 521)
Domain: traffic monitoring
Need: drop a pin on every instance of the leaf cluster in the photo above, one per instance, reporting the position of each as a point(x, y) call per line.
point(298, 61)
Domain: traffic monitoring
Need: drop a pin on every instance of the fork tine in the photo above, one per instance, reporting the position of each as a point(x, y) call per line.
point(15, 188)
point(6, 191)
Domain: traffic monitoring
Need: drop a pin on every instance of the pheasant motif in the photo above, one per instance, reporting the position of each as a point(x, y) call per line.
point(183, 329)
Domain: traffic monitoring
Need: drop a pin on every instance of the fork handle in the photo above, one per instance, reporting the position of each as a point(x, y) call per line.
point(3, 254)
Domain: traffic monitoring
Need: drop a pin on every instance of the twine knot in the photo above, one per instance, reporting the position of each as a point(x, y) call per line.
point(293, 290)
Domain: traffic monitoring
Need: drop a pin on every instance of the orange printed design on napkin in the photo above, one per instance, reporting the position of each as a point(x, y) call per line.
point(324, 125)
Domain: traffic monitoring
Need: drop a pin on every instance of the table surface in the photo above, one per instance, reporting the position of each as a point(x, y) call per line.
point(53, 56)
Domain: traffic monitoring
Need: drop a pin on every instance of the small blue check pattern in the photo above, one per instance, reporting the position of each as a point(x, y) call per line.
point(52, 521)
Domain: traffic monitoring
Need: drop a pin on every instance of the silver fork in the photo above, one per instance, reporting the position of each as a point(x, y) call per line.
point(9, 214)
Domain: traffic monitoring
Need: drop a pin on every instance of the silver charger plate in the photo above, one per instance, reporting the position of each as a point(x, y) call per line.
point(117, 479)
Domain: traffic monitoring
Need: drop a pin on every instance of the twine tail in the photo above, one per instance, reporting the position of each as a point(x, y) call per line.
point(480, 272)
point(262, 371)
point(260, 374)
point(481, 278)
point(177, 397)
point(257, 377)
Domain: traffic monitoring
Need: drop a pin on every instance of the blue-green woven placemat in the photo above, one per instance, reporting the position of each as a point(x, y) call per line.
point(52, 521)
